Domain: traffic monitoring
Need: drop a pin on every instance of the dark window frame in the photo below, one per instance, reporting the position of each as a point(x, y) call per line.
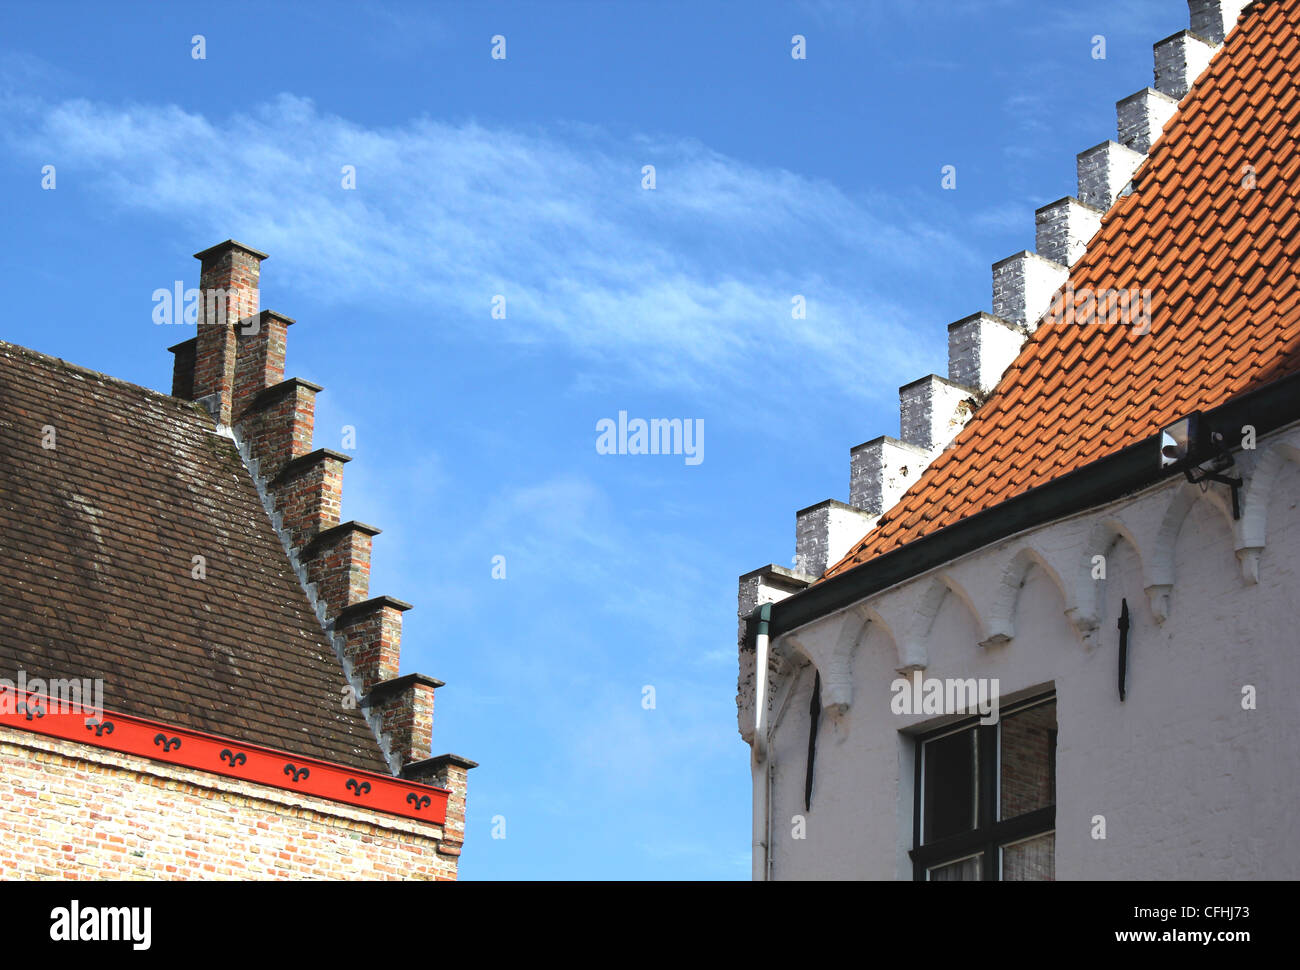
point(990, 834)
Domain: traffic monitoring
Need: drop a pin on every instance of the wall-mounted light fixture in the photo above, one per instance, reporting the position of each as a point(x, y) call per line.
point(1201, 453)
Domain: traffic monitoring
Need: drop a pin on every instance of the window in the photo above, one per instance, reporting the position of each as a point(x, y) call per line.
point(985, 806)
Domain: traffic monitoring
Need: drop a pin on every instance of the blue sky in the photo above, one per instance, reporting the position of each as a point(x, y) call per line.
point(523, 177)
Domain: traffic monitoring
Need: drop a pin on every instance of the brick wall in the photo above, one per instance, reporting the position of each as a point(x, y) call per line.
point(72, 812)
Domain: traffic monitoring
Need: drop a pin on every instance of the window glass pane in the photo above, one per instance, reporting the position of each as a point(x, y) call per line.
point(963, 870)
point(1027, 760)
point(949, 785)
point(1031, 860)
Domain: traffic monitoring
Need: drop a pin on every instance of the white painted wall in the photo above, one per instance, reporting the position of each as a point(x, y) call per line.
point(1191, 785)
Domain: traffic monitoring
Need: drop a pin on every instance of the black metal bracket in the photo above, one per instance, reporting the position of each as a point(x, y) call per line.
point(1223, 460)
point(1123, 646)
point(1213, 476)
point(814, 717)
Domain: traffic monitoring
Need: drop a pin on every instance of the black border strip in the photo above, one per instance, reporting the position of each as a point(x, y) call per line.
point(1129, 470)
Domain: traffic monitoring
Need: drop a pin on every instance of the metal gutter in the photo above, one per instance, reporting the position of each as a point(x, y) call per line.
point(1129, 470)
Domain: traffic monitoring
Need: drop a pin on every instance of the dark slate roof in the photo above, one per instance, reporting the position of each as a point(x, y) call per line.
point(97, 539)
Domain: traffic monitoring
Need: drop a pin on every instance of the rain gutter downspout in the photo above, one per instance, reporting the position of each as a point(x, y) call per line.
point(758, 762)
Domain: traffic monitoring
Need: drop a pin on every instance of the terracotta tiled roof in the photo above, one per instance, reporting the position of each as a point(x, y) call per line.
point(1218, 246)
point(97, 536)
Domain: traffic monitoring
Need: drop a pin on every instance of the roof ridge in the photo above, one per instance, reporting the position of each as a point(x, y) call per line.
point(64, 363)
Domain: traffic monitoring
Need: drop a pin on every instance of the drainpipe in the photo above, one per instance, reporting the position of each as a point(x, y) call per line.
point(758, 763)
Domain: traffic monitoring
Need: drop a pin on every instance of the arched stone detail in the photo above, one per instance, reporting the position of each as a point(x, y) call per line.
point(1160, 574)
point(789, 666)
point(836, 664)
point(1002, 615)
point(912, 653)
point(790, 649)
point(1251, 533)
point(837, 678)
point(1084, 609)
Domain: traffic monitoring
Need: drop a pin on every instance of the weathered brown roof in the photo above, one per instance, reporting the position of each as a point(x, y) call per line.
point(97, 539)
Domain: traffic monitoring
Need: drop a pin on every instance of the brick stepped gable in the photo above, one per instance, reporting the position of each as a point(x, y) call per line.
point(235, 368)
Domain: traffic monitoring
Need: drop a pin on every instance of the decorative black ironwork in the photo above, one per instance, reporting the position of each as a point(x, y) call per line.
point(297, 773)
point(814, 718)
point(359, 787)
point(1123, 645)
point(419, 801)
point(166, 743)
point(99, 727)
point(34, 710)
point(234, 757)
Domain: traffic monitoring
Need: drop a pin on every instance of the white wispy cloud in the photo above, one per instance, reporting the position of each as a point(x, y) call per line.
point(688, 286)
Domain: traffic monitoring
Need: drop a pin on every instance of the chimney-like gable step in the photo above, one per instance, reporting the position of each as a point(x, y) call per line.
point(229, 293)
point(768, 584)
point(337, 561)
point(449, 771)
point(308, 494)
point(1213, 19)
point(183, 368)
point(824, 532)
point(1023, 287)
point(278, 423)
point(1179, 61)
point(259, 357)
point(1105, 171)
point(881, 470)
point(372, 639)
point(404, 706)
point(1063, 229)
point(932, 410)
point(1140, 118)
point(980, 348)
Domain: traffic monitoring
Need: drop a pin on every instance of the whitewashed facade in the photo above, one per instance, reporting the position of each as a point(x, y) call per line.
point(1188, 774)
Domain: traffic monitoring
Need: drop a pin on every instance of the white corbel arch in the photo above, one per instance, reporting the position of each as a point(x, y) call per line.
point(1252, 531)
point(1084, 606)
point(912, 653)
point(1161, 573)
point(1006, 599)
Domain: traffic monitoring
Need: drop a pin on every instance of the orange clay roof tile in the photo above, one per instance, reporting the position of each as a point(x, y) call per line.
point(1219, 255)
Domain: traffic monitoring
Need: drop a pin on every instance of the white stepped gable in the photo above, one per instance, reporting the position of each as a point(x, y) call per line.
point(881, 470)
point(1062, 230)
point(932, 410)
point(980, 347)
point(1180, 59)
point(1023, 286)
point(1105, 172)
point(1213, 19)
point(1142, 117)
point(825, 532)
